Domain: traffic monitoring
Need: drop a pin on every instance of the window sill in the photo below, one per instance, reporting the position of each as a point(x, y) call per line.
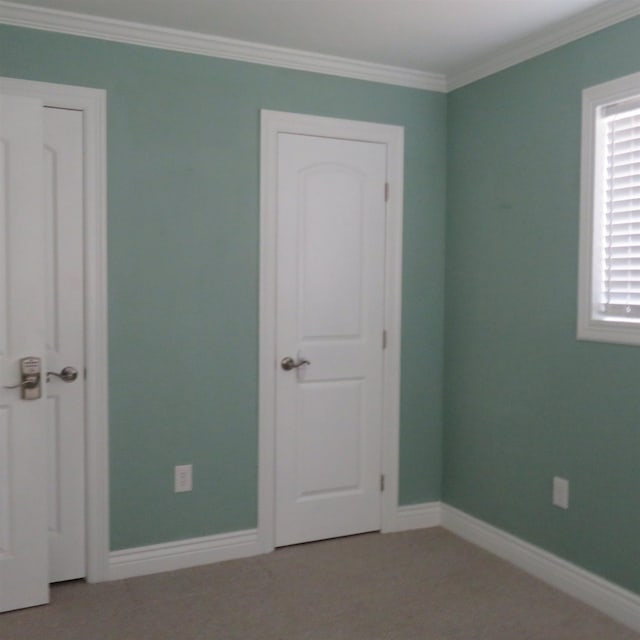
point(609, 331)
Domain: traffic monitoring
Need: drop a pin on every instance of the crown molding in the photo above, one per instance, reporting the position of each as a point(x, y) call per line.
point(202, 44)
point(564, 32)
point(586, 23)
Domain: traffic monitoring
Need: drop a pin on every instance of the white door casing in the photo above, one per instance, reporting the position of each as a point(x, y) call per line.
point(330, 303)
point(64, 294)
point(23, 505)
point(276, 127)
point(92, 104)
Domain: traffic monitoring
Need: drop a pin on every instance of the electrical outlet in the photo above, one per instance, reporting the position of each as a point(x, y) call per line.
point(183, 478)
point(560, 493)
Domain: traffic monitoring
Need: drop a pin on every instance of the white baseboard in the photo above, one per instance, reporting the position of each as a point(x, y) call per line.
point(418, 516)
point(616, 602)
point(182, 554)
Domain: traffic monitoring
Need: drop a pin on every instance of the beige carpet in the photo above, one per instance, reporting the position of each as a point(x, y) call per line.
point(426, 585)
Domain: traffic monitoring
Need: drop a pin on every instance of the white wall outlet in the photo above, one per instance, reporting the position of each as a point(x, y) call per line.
point(183, 478)
point(560, 493)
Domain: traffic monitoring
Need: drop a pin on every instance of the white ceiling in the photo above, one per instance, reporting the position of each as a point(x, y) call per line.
point(445, 37)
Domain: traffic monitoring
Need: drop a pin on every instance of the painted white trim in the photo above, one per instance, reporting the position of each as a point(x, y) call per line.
point(418, 516)
point(93, 104)
point(588, 22)
point(620, 604)
point(215, 46)
point(614, 601)
point(272, 123)
point(182, 554)
point(584, 24)
point(590, 326)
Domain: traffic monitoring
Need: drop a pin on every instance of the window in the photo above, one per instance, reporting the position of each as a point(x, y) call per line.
point(609, 279)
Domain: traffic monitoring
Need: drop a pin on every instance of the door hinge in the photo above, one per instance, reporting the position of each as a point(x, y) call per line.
point(386, 192)
point(381, 482)
point(384, 339)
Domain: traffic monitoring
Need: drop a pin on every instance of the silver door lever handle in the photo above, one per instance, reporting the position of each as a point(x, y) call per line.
point(289, 363)
point(28, 383)
point(67, 374)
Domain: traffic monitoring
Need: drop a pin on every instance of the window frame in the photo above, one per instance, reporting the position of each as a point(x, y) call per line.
point(592, 325)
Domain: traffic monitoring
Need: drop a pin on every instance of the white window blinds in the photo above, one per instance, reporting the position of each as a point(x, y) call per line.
point(620, 271)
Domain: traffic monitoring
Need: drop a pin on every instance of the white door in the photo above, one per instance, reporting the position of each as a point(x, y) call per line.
point(330, 310)
point(42, 514)
point(24, 568)
point(64, 213)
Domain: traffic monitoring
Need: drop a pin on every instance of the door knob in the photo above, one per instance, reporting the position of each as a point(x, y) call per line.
point(67, 374)
point(289, 363)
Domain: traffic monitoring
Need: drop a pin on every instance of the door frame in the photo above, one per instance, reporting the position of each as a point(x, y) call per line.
point(272, 123)
point(92, 102)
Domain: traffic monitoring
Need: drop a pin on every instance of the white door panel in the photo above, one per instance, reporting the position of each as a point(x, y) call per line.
point(330, 243)
point(330, 441)
point(330, 304)
point(42, 521)
point(63, 133)
point(23, 506)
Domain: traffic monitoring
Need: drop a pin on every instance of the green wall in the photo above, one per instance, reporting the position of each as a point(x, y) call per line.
point(524, 400)
point(183, 145)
